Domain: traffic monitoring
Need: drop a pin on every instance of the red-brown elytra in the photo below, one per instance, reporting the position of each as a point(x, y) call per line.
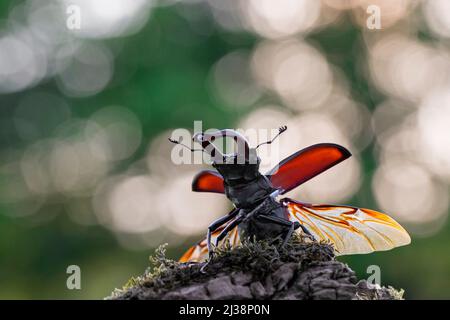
point(258, 214)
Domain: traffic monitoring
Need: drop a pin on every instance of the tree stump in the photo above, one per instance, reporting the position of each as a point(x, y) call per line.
point(301, 270)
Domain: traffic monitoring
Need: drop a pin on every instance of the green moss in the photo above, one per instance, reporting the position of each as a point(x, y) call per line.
point(396, 294)
point(257, 257)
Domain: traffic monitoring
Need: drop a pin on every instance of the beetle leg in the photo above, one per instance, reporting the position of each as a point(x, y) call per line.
point(276, 220)
point(228, 228)
point(256, 211)
point(219, 237)
point(306, 231)
point(216, 224)
point(289, 234)
point(293, 226)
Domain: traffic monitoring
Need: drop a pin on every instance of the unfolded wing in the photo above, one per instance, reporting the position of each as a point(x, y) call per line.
point(208, 181)
point(351, 230)
point(306, 164)
point(199, 252)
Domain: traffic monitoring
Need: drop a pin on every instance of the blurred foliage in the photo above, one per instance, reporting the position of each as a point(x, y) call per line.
point(161, 74)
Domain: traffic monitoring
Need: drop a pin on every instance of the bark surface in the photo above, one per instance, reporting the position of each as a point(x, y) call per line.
point(256, 270)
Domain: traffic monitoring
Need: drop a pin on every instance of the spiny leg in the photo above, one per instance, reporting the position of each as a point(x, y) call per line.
point(306, 231)
point(212, 227)
point(216, 224)
point(289, 234)
point(228, 228)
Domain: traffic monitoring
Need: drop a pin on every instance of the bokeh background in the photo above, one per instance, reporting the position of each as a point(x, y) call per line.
point(86, 175)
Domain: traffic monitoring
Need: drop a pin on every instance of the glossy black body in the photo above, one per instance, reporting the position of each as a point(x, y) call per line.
point(244, 185)
point(259, 215)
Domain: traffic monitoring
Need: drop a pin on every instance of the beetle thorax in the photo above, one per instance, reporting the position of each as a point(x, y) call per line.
point(244, 185)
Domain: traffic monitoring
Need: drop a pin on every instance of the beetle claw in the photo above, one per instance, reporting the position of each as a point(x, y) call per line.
point(206, 263)
point(202, 269)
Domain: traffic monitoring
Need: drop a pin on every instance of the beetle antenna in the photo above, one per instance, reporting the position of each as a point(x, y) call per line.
point(182, 144)
point(280, 131)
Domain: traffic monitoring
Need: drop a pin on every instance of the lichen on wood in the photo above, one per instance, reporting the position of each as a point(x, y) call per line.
point(300, 270)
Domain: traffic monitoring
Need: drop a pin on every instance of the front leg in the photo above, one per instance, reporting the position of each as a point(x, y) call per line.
point(228, 228)
point(216, 224)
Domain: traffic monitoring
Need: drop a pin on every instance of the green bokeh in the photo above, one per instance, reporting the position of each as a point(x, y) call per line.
point(161, 74)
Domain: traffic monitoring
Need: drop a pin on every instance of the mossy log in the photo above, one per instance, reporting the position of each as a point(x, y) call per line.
point(301, 270)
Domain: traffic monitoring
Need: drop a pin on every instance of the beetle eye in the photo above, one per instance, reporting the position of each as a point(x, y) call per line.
point(198, 137)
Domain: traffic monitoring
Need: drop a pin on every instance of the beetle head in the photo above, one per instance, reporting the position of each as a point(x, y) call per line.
point(206, 140)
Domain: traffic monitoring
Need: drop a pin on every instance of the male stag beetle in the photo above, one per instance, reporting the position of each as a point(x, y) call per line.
point(257, 213)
